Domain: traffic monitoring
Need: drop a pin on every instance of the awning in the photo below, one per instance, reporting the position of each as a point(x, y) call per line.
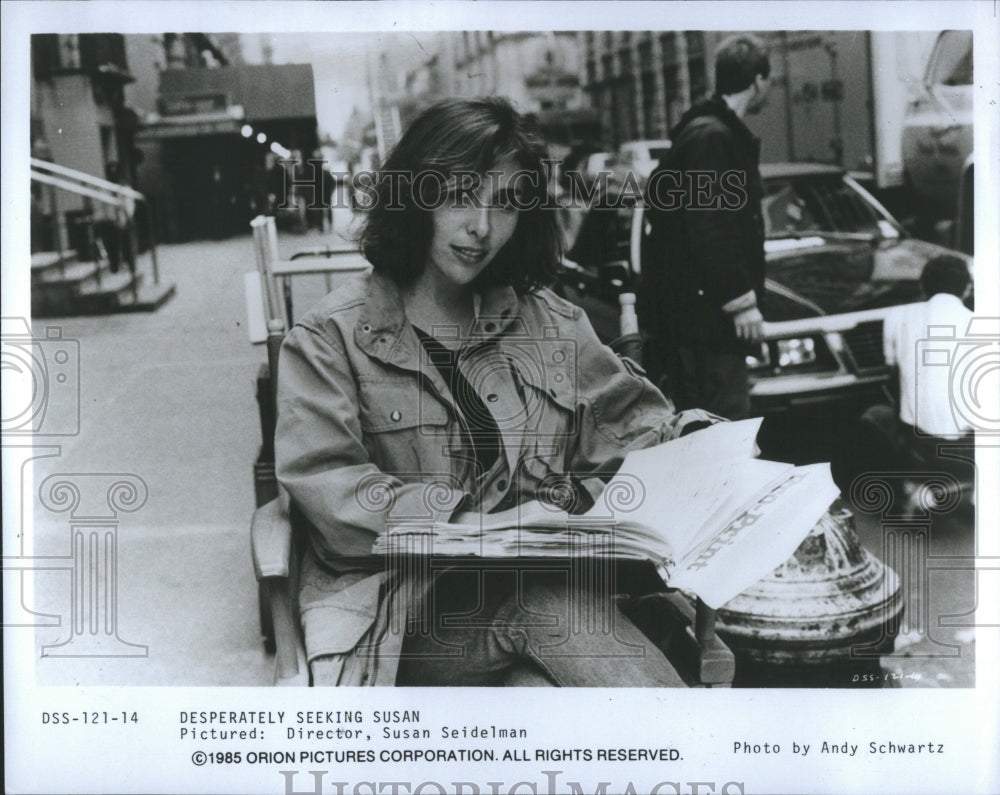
point(190, 125)
point(266, 91)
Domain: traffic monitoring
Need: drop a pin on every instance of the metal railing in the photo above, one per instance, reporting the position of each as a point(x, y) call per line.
point(121, 197)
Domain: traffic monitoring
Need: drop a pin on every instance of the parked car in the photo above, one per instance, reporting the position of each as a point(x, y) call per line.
point(836, 262)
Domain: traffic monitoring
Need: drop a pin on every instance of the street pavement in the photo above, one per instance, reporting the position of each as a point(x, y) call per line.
point(170, 397)
point(933, 555)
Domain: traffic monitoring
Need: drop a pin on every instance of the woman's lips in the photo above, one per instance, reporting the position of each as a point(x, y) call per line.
point(471, 255)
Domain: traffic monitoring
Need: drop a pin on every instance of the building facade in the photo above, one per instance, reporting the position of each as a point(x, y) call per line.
point(211, 130)
point(640, 82)
point(821, 107)
point(80, 120)
point(540, 72)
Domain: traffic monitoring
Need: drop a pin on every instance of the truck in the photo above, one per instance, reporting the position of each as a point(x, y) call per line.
point(937, 138)
point(841, 97)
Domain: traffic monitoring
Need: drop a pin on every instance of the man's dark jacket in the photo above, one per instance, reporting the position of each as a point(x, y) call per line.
point(696, 260)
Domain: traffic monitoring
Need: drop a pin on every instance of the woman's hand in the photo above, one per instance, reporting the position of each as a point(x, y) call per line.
point(691, 420)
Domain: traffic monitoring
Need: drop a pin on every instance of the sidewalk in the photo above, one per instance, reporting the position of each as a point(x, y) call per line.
point(169, 397)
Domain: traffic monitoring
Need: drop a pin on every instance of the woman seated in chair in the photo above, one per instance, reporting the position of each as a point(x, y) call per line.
point(447, 384)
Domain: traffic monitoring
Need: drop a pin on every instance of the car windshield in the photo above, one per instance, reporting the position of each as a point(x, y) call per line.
point(826, 207)
point(952, 63)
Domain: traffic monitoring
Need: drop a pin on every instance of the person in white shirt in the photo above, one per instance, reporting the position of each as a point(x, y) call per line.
point(920, 341)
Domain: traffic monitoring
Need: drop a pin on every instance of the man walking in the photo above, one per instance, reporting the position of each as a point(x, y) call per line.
point(703, 259)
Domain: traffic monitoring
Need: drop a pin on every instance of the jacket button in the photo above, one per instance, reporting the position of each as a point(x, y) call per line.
point(492, 397)
point(395, 416)
point(701, 292)
point(366, 329)
point(501, 485)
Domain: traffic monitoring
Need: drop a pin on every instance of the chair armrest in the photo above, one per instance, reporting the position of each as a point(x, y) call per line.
point(271, 547)
point(271, 540)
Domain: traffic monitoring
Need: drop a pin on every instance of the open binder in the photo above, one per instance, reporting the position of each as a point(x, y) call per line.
point(712, 518)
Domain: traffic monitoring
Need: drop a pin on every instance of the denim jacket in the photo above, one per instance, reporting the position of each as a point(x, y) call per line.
point(369, 434)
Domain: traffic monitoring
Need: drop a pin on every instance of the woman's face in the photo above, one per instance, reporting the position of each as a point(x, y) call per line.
point(473, 225)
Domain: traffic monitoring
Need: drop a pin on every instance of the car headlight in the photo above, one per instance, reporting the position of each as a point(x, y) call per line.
point(809, 354)
point(796, 352)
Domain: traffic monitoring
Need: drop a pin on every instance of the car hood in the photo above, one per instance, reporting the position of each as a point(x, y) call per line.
point(815, 278)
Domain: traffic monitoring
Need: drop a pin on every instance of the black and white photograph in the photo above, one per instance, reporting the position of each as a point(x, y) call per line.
point(640, 354)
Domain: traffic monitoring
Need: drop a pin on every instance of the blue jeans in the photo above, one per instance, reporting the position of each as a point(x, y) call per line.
point(490, 627)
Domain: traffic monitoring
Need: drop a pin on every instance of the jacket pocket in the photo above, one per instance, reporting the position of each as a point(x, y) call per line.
point(550, 425)
point(407, 431)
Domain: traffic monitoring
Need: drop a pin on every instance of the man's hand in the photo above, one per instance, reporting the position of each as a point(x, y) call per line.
point(749, 324)
point(746, 317)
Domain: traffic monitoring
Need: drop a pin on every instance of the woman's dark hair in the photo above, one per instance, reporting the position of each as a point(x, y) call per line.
point(738, 61)
point(461, 135)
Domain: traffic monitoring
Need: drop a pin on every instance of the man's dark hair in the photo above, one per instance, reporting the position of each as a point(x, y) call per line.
point(462, 135)
point(738, 61)
point(944, 274)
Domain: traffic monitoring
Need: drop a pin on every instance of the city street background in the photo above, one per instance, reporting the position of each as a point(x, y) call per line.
point(170, 397)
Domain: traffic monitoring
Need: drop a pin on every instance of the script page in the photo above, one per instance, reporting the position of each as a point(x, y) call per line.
point(675, 488)
point(759, 539)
